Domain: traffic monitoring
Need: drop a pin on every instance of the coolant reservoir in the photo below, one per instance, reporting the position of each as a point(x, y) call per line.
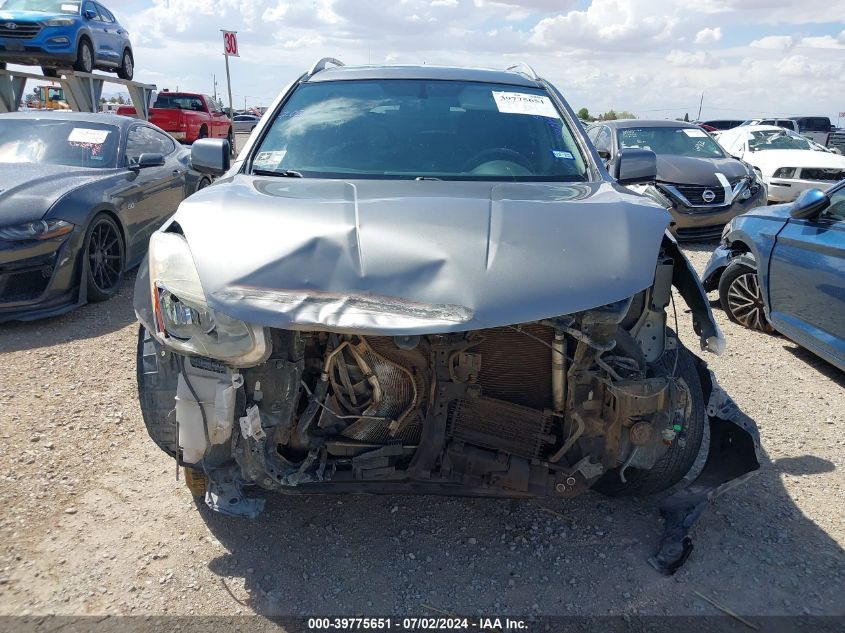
point(217, 397)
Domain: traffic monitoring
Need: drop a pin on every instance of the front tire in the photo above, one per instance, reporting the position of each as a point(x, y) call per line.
point(106, 257)
point(127, 66)
point(84, 57)
point(680, 457)
point(741, 296)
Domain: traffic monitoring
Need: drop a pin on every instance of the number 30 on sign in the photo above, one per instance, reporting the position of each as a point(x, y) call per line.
point(230, 43)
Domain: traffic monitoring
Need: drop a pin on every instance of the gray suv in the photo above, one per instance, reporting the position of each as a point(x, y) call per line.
point(423, 280)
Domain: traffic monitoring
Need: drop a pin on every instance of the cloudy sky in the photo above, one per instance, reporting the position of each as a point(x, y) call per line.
point(654, 58)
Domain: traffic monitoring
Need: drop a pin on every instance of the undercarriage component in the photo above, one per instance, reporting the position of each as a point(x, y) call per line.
point(225, 494)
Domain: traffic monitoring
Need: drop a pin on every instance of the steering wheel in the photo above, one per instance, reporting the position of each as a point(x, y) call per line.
point(496, 153)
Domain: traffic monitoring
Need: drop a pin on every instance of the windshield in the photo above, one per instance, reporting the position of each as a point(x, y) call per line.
point(449, 130)
point(671, 141)
point(776, 139)
point(71, 143)
point(42, 6)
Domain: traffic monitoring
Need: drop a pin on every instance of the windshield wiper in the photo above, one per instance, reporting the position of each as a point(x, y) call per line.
point(285, 173)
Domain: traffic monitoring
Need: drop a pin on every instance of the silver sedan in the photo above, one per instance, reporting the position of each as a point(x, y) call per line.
point(245, 123)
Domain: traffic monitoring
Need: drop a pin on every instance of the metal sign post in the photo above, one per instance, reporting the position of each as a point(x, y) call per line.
point(230, 48)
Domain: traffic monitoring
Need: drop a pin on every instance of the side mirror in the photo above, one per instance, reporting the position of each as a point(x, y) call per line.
point(210, 156)
point(635, 166)
point(809, 204)
point(90, 15)
point(147, 160)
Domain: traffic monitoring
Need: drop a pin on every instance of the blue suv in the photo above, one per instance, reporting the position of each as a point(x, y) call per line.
point(57, 34)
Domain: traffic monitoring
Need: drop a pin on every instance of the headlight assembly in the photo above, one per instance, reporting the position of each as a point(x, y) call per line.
point(58, 22)
point(784, 172)
point(38, 230)
point(184, 322)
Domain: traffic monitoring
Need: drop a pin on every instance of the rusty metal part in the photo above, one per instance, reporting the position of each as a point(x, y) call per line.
point(196, 481)
point(640, 433)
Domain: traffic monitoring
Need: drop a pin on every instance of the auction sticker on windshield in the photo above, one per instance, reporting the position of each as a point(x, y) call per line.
point(522, 103)
point(87, 135)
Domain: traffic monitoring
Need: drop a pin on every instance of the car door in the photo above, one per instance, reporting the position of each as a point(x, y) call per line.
point(807, 280)
point(112, 34)
point(99, 36)
point(153, 193)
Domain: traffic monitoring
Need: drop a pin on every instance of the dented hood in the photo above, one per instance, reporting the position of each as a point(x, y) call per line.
point(416, 257)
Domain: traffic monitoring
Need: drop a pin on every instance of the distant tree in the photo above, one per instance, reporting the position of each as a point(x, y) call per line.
point(121, 100)
point(102, 100)
point(610, 115)
point(113, 100)
point(584, 115)
point(625, 115)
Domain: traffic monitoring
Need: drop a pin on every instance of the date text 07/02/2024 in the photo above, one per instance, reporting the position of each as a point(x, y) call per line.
point(416, 624)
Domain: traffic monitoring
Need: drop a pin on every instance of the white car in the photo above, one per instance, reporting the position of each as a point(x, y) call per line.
point(787, 162)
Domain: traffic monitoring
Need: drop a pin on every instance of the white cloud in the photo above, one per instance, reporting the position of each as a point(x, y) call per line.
point(708, 35)
point(774, 42)
point(690, 58)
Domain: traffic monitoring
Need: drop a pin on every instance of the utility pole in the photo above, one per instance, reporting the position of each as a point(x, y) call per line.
point(230, 47)
point(700, 103)
point(214, 78)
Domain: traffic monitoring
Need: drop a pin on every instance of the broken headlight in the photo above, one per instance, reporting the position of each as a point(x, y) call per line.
point(184, 321)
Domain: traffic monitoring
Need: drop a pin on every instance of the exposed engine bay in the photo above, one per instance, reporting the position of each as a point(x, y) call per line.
point(537, 408)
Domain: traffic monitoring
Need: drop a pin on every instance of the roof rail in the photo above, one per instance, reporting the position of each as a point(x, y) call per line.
point(322, 64)
point(526, 70)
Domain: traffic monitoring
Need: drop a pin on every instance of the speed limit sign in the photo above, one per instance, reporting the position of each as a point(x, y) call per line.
point(230, 43)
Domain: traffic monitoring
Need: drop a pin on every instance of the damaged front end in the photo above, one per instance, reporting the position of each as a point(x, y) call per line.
point(603, 398)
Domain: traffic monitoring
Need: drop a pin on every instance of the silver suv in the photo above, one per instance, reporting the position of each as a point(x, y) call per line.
point(423, 280)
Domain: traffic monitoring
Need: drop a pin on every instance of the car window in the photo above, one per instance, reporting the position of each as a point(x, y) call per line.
point(105, 14)
point(413, 128)
point(90, 6)
point(604, 140)
point(145, 140)
point(52, 142)
point(836, 210)
point(671, 141)
point(178, 102)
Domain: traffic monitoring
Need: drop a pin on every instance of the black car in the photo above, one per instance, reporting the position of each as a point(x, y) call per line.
point(722, 124)
point(80, 195)
point(701, 185)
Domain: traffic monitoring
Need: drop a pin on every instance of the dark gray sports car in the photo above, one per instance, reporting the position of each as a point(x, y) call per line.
point(80, 195)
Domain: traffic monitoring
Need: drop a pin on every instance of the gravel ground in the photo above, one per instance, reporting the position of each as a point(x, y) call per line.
point(94, 521)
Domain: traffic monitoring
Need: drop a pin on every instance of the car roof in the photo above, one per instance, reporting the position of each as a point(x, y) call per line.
point(623, 124)
point(82, 117)
point(448, 73)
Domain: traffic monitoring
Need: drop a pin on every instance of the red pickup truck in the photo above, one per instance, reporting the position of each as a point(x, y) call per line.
point(187, 116)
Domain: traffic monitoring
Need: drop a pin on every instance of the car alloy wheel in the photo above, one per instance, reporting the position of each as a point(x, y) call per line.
point(746, 302)
point(106, 257)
